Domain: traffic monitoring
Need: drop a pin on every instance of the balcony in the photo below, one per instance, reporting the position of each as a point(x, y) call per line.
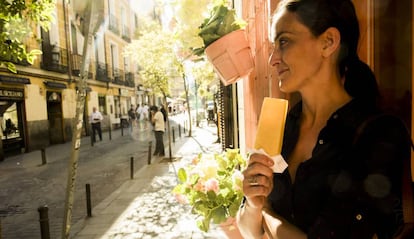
point(113, 24)
point(54, 58)
point(76, 64)
point(126, 34)
point(102, 72)
point(118, 76)
point(129, 79)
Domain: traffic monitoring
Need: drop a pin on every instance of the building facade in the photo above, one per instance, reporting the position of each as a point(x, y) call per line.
point(38, 104)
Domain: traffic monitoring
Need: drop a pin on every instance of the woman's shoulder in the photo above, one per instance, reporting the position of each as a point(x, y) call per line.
point(384, 130)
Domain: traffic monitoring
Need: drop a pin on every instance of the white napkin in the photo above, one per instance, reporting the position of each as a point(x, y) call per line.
point(279, 162)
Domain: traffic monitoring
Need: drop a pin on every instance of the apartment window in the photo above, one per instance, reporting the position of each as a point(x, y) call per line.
point(102, 104)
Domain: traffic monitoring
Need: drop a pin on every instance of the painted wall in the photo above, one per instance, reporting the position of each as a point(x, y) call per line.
point(69, 103)
point(36, 107)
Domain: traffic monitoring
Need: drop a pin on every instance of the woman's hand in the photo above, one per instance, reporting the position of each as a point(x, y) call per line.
point(258, 180)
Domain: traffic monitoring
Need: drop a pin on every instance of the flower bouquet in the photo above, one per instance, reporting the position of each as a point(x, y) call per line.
point(212, 185)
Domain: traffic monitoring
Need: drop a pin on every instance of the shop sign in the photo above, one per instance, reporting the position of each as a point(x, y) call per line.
point(11, 93)
point(124, 92)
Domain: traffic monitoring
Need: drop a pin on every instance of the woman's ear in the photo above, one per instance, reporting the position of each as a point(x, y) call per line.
point(331, 40)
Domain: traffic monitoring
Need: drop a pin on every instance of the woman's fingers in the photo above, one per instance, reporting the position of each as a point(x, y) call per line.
point(259, 165)
point(258, 176)
point(257, 185)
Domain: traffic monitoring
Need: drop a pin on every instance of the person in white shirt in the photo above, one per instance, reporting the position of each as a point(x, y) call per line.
point(95, 119)
point(141, 117)
point(157, 119)
point(145, 111)
point(139, 112)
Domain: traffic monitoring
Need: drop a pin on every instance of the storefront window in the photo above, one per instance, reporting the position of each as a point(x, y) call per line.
point(10, 122)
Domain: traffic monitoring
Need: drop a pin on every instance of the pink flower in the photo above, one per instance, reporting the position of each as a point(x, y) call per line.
point(181, 198)
point(195, 160)
point(212, 185)
point(199, 186)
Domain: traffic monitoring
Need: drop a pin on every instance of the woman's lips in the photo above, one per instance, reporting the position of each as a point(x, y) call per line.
point(280, 72)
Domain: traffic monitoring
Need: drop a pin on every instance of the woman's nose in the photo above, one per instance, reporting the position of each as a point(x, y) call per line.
point(274, 58)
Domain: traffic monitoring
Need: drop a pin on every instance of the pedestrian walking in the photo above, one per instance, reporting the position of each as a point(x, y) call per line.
point(145, 111)
point(164, 113)
point(158, 122)
point(139, 111)
point(96, 119)
point(132, 116)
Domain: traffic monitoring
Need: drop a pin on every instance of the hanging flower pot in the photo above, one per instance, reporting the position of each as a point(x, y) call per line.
point(225, 44)
point(231, 56)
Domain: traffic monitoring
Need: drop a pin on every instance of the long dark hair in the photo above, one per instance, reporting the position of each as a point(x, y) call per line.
point(318, 16)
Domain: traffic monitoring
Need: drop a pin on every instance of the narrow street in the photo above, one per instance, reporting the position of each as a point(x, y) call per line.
point(26, 184)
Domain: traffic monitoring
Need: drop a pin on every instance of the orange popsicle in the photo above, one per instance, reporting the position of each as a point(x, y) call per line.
point(270, 130)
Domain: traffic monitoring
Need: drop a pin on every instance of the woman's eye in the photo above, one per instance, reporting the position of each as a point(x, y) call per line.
point(282, 42)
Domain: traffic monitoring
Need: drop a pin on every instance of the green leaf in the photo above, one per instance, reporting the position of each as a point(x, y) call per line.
point(182, 175)
point(10, 66)
point(204, 224)
point(178, 189)
point(210, 38)
point(226, 26)
point(219, 215)
point(234, 208)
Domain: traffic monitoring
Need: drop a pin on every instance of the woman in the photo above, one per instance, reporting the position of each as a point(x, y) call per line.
point(157, 120)
point(337, 184)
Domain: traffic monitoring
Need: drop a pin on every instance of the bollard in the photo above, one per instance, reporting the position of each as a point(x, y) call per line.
point(184, 128)
point(149, 152)
point(122, 128)
point(43, 151)
point(132, 167)
point(110, 132)
point(44, 222)
point(88, 200)
point(92, 141)
point(179, 130)
point(173, 135)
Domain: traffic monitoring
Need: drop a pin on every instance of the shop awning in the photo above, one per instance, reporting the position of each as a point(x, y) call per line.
point(56, 85)
point(14, 80)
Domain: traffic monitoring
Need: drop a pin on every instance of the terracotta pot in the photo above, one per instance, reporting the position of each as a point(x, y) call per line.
point(231, 56)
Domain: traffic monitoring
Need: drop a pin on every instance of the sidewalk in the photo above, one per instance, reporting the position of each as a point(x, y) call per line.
point(26, 183)
point(144, 207)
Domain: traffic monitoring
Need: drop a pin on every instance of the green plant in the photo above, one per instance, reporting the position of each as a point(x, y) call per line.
point(221, 21)
point(18, 19)
point(212, 185)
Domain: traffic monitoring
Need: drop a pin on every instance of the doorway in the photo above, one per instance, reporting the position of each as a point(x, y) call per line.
point(54, 116)
point(393, 59)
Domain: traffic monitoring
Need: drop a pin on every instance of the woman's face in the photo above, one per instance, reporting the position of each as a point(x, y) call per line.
point(296, 54)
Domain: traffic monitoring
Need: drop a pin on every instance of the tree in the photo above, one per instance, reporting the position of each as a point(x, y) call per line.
point(154, 53)
point(159, 48)
point(18, 18)
point(155, 56)
point(188, 16)
point(205, 76)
